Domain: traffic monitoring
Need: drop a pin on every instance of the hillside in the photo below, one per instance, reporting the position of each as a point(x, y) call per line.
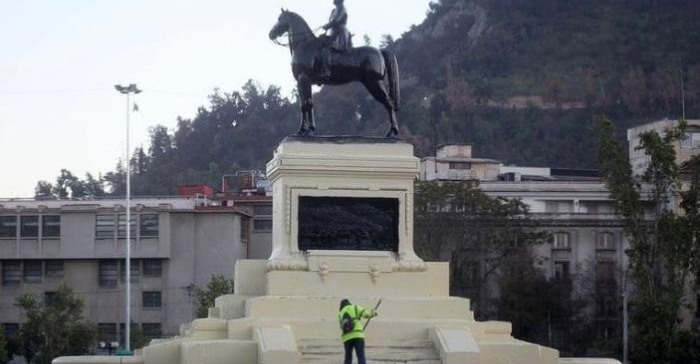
point(522, 80)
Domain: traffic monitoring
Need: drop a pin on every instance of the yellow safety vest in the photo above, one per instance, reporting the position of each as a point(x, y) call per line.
point(357, 312)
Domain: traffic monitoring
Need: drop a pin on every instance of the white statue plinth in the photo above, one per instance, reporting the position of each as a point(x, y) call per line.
point(284, 310)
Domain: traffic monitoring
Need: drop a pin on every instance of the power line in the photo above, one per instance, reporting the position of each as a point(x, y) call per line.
point(53, 91)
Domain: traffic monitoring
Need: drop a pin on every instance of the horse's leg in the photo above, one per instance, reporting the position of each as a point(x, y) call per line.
point(307, 106)
point(310, 113)
point(379, 92)
point(304, 89)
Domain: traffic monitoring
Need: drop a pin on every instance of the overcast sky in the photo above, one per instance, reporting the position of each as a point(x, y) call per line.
point(59, 61)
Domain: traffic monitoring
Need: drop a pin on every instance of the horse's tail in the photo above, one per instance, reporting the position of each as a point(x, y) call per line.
point(392, 70)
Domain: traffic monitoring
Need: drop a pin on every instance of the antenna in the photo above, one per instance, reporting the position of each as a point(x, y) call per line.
point(680, 70)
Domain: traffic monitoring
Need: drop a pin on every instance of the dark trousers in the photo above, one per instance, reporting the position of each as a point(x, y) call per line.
point(359, 346)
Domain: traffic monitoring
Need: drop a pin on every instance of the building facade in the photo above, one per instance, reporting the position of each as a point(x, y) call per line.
point(177, 244)
point(587, 238)
point(686, 147)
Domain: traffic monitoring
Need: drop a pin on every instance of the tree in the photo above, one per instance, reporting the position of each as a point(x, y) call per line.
point(664, 245)
point(4, 353)
point(54, 328)
point(457, 222)
point(544, 311)
point(117, 180)
point(43, 191)
point(218, 286)
point(137, 337)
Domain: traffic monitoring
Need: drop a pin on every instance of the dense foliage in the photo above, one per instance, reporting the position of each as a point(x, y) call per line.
point(664, 253)
point(516, 78)
point(218, 286)
point(489, 243)
point(54, 328)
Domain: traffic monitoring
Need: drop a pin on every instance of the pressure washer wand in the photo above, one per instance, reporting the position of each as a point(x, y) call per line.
point(370, 319)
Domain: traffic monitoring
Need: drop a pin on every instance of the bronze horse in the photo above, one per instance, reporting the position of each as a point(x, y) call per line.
point(376, 69)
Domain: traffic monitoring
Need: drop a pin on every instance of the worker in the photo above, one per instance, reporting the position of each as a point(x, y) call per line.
point(353, 335)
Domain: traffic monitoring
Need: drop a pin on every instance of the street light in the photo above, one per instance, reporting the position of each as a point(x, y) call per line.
point(109, 346)
point(128, 90)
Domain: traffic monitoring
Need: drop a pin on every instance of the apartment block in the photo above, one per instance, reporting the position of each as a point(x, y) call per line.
point(177, 244)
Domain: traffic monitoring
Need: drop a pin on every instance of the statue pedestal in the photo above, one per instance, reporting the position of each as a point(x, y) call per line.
point(342, 228)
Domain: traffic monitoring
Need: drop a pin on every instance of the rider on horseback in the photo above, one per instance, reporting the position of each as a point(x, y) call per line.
point(339, 39)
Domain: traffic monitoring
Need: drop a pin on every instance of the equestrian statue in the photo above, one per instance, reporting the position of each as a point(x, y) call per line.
point(331, 60)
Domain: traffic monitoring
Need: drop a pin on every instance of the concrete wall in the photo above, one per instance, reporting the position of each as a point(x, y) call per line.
point(191, 245)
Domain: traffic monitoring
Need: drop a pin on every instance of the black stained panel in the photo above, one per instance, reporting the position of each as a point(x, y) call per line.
point(348, 223)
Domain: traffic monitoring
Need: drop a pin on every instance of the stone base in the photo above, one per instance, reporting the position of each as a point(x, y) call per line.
point(292, 319)
point(284, 310)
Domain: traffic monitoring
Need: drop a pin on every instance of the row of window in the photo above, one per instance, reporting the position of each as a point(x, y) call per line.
point(605, 241)
point(30, 226)
point(105, 331)
point(605, 272)
point(109, 226)
point(110, 271)
point(263, 217)
point(690, 140)
point(31, 271)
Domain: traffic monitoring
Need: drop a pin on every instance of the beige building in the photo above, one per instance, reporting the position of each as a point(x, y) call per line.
point(178, 243)
point(454, 162)
point(573, 205)
point(685, 148)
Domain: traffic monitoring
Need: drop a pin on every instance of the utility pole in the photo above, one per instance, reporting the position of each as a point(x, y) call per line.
point(128, 90)
point(625, 318)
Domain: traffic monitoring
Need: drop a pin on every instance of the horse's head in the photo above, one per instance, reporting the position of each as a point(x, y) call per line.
point(282, 25)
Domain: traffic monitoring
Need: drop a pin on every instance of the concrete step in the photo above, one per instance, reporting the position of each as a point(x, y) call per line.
point(391, 308)
point(396, 352)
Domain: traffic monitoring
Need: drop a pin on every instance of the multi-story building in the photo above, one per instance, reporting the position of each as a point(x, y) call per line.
point(686, 147)
point(574, 206)
point(177, 244)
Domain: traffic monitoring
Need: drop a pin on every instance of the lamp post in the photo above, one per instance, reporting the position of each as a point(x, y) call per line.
point(128, 90)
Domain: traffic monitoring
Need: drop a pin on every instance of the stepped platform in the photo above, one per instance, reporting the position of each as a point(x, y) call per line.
point(333, 193)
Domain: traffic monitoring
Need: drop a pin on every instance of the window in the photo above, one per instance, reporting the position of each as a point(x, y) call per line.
point(561, 241)
point(605, 273)
point(107, 332)
point(54, 268)
point(558, 206)
point(108, 273)
point(148, 227)
point(135, 270)
point(29, 226)
point(606, 241)
point(245, 226)
point(151, 330)
point(11, 273)
point(51, 226)
point(151, 299)
point(33, 271)
point(690, 141)
point(152, 268)
point(122, 331)
point(104, 226)
point(49, 298)
point(460, 165)
point(561, 271)
point(10, 329)
point(607, 307)
point(121, 228)
point(262, 210)
point(8, 226)
point(262, 224)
